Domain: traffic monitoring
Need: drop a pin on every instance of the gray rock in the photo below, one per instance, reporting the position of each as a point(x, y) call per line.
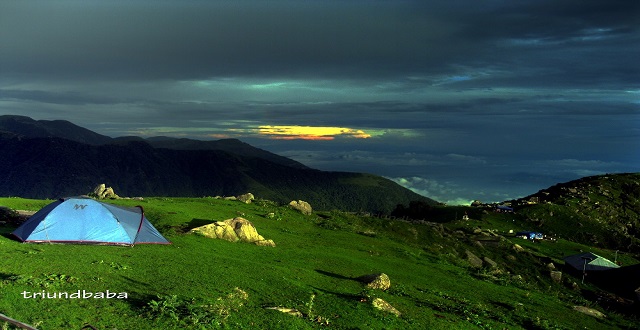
point(379, 281)
point(556, 276)
point(490, 262)
point(385, 306)
point(246, 198)
point(233, 230)
point(473, 260)
point(302, 206)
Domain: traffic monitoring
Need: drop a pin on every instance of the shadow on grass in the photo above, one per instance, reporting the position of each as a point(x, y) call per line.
point(6, 276)
point(334, 275)
point(184, 227)
point(6, 233)
point(136, 283)
point(139, 301)
point(199, 222)
point(347, 296)
point(140, 298)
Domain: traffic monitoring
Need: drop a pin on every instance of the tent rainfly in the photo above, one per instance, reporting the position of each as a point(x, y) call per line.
point(589, 262)
point(84, 220)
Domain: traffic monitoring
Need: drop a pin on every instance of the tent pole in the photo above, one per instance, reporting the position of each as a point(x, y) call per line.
point(16, 323)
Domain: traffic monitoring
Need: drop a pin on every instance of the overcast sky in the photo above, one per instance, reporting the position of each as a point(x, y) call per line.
point(457, 100)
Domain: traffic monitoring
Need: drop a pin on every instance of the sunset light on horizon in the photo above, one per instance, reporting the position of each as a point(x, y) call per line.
point(310, 132)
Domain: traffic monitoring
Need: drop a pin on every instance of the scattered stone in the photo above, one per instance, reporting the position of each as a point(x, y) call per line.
point(302, 206)
point(556, 276)
point(589, 311)
point(246, 198)
point(473, 259)
point(266, 242)
point(230, 198)
point(511, 258)
point(290, 311)
point(518, 248)
point(490, 262)
point(233, 230)
point(368, 232)
point(551, 266)
point(101, 191)
point(575, 286)
point(379, 281)
point(271, 215)
point(385, 306)
point(478, 244)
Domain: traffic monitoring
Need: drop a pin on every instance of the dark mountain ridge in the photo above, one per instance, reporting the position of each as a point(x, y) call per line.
point(37, 166)
point(233, 146)
point(26, 127)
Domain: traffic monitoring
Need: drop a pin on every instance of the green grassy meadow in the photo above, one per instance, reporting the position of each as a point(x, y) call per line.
point(203, 283)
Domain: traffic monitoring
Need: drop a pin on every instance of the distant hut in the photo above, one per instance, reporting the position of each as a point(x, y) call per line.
point(588, 261)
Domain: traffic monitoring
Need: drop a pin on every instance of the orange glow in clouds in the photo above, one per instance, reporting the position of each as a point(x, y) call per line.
point(310, 132)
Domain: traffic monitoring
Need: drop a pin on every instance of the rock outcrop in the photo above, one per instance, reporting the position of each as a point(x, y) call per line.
point(589, 311)
point(234, 230)
point(101, 191)
point(518, 248)
point(379, 281)
point(302, 206)
point(473, 260)
point(246, 198)
point(385, 306)
point(556, 276)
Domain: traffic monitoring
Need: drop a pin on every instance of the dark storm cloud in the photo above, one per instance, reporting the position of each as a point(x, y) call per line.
point(461, 98)
point(67, 98)
point(191, 39)
point(180, 40)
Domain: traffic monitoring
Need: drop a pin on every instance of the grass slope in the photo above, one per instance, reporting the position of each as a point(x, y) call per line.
point(601, 210)
point(200, 283)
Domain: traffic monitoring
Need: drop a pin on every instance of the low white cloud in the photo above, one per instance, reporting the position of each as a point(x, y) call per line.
point(581, 163)
point(440, 191)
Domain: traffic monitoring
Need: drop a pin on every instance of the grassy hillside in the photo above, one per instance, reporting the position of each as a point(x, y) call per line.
point(202, 283)
point(600, 210)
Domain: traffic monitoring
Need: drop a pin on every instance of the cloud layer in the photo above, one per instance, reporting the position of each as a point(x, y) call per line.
point(490, 97)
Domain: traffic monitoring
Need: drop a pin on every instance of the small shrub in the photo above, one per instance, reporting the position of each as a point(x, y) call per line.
point(192, 311)
point(44, 281)
point(119, 266)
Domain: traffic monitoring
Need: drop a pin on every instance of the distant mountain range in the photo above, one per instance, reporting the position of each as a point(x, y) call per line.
point(50, 159)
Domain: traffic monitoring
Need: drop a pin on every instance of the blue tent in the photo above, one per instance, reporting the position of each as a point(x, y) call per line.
point(530, 235)
point(84, 220)
point(504, 208)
